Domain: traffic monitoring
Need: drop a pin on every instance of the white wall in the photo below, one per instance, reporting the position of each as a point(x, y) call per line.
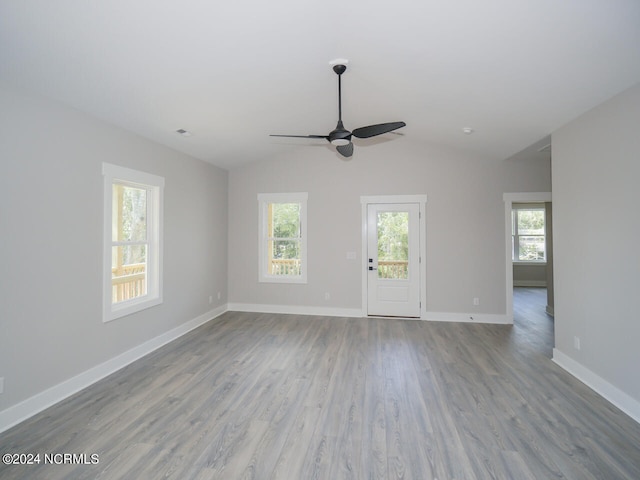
point(596, 170)
point(464, 218)
point(51, 211)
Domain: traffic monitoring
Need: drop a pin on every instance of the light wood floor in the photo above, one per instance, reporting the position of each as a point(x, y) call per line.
point(290, 397)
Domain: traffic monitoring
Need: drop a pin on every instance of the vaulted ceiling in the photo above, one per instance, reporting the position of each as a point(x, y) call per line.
point(231, 73)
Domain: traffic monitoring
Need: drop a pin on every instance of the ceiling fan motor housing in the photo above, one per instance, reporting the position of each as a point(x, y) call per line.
point(340, 136)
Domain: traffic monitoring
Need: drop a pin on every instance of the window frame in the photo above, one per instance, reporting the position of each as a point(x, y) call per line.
point(264, 199)
point(515, 250)
point(154, 185)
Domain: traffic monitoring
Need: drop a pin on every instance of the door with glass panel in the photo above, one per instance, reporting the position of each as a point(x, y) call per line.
point(393, 260)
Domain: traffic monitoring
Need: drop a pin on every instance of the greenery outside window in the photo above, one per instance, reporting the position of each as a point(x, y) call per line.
point(282, 246)
point(528, 233)
point(393, 245)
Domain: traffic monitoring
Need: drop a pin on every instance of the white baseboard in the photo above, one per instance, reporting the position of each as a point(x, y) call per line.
point(468, 317)
point(624, 402)
point(33, 405)
point(358, 313)
point(295, 310)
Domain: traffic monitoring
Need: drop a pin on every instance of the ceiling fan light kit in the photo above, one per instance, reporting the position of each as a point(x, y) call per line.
point(339, 141)
point(340, 137)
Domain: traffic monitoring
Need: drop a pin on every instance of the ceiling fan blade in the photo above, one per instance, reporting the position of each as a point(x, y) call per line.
point(379, 129)
point(326, 137)
point(345, 150)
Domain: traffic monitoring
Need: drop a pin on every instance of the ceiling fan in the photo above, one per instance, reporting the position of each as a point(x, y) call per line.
point(340, 136)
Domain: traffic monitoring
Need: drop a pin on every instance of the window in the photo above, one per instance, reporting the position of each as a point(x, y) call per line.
point(283, 239)
point(528, 233)
point(393, 245)
point(132, 241)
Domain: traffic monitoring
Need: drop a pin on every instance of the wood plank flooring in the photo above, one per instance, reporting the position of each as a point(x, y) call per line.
point(263, 396)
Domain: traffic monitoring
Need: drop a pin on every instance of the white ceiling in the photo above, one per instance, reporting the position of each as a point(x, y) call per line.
point(232, 72)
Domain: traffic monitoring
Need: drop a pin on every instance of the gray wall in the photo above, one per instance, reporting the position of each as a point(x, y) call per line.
point(534, 275)
point(464, 220)
point(596, 167)
point(51, 198)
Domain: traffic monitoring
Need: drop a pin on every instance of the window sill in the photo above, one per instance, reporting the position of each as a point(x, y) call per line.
point(128, 308)
point(299, 280)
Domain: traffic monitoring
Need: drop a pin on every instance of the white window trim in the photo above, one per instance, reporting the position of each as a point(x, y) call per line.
point(155, 185)
point(264, 199)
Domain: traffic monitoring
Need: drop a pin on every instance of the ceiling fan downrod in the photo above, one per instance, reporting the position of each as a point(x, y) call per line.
point(340, 136)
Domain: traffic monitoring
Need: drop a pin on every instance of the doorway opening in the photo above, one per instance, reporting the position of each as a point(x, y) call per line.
point(526, 246)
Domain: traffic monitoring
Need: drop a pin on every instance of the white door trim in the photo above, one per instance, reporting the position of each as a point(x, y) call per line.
point(421, 200)
point(509, 200)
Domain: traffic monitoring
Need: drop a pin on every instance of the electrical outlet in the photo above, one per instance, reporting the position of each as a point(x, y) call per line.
point(327, 296)
point(476, 301)
point(576, 343)
point(1, 384)
point(210, 299)
point(219, 295)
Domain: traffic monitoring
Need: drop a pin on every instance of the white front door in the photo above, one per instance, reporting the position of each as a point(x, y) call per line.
point(393, 259)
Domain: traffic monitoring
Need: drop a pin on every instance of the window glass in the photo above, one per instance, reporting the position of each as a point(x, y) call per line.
point(129, 213)
point(393, 245)
point(528, 234)
point(530, 222)
point(531, 248)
